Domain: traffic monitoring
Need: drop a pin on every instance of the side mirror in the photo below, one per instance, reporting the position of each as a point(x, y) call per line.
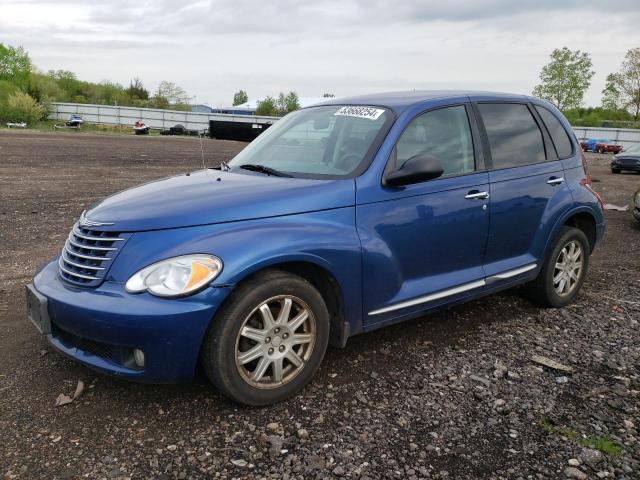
point(415, 170)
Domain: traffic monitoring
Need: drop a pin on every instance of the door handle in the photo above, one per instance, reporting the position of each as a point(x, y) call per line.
point(477, 195)
point(555, 181)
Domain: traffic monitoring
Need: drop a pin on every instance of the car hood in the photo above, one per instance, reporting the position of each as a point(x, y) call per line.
point(623, 156)
point(212, 196)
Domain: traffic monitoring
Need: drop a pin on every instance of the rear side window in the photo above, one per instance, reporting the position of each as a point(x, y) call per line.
point(444, 134)
point(514, 136)
point(558, 134)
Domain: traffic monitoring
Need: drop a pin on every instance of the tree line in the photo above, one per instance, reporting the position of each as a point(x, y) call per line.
point(25, 90)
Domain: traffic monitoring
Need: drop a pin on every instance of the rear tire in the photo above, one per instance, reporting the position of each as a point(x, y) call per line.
point(268, 340)
point(564, 270)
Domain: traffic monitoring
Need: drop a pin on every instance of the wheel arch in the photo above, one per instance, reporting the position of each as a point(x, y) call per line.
point(316, 271)
point(581, 218)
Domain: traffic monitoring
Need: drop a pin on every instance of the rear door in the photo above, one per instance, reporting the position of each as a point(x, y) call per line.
point(527, 187)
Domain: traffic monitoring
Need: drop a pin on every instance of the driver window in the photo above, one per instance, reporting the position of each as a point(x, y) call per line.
point(444, 134)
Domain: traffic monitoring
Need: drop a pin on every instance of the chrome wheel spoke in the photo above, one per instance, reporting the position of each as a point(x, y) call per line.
point(299, 338)
point(267, 317)
point(253, 334)
point(294, 358)
point(261, 369)
point(558, 277)
point(283, 316)
point(277, 370)
point(298, 320)
point(250, 355)
point(562, 284)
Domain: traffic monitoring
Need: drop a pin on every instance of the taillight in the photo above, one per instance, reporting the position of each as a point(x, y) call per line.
point(586, 181)
point(587, 173)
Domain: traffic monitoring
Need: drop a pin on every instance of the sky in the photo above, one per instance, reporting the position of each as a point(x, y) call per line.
point(346, 47)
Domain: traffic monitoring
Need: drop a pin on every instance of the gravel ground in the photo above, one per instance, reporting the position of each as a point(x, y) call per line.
point(453, 395)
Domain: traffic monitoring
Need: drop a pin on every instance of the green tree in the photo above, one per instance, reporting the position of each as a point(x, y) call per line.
point(610, 93)
point(15, 66)
point(240, 97)
point(21, 107)
point(287, 103)
point(622, 89)
point(565, 78)
point(173, 93)
point(136, 90)
point(267, 107)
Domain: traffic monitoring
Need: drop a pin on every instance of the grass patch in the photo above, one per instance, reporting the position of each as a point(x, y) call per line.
point(603, 444)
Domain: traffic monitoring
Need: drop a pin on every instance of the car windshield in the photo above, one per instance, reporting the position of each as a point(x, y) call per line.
point(334, 141)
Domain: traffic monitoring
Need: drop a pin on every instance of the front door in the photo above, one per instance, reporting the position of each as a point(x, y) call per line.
point(424, 244)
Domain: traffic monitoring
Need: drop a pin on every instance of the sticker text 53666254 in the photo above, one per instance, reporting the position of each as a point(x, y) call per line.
point(370, 113)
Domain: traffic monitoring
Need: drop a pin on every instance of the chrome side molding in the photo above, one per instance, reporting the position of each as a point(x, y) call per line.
point(455, 290)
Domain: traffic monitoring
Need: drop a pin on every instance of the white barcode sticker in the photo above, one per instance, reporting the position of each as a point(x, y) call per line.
point(370, 113)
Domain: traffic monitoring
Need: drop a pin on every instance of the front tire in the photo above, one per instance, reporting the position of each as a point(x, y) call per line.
point(563, 271)
point(268, 340)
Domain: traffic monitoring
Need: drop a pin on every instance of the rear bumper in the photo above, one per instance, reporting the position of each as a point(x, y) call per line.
point(101, 327)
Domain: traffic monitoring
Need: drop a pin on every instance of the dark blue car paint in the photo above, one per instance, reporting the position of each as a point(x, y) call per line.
point(382, 246)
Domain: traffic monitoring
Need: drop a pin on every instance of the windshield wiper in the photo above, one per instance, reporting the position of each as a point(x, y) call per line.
point(263, 169)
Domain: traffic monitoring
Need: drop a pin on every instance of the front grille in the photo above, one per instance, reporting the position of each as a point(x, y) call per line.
point(629, 162)
point(97, 349)
point(87, 255)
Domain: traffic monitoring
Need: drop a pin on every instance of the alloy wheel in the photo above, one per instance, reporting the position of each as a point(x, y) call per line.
point(275, 341)
point(568, 268)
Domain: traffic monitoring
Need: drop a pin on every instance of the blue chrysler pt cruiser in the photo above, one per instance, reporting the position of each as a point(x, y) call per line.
point(339, 219)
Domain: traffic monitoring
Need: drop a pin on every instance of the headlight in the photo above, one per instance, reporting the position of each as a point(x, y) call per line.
point(176, 276)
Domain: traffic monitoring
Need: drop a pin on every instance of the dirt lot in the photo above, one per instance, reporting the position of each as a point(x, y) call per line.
point(452, 395)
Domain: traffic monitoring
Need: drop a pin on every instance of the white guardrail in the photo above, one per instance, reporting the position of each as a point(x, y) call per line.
point(113, 115)
point(154, 118)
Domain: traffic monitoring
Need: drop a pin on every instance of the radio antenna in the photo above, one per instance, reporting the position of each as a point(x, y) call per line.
point(202, 152)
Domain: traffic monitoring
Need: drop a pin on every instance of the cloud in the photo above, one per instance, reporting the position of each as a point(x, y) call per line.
point(213, 48)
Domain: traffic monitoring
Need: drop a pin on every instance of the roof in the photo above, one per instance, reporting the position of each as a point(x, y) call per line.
point(399, 101)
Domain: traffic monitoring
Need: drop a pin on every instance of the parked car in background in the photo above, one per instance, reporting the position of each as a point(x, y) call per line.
point(628, 160)
point(339, 219)
point(600, 145)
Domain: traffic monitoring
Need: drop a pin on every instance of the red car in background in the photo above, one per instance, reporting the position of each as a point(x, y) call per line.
point(600, 146)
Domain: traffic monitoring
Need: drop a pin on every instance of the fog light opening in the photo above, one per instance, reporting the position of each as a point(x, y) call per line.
point(138, 357)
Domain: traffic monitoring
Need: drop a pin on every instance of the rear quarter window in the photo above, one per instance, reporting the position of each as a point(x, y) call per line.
point(559, 135)
point(514, 136)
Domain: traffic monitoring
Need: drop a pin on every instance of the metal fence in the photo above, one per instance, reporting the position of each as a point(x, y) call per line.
point(159, 119)
point(113, 115)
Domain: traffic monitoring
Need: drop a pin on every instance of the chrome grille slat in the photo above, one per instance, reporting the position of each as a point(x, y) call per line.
point(80, 265)
point(87, 255)
point(82, 255)
point(96, 239)
point(91, 247)
point(75, 274)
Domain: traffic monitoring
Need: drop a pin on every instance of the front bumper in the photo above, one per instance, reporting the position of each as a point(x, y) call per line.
point(100, 327)
point(626, 167)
